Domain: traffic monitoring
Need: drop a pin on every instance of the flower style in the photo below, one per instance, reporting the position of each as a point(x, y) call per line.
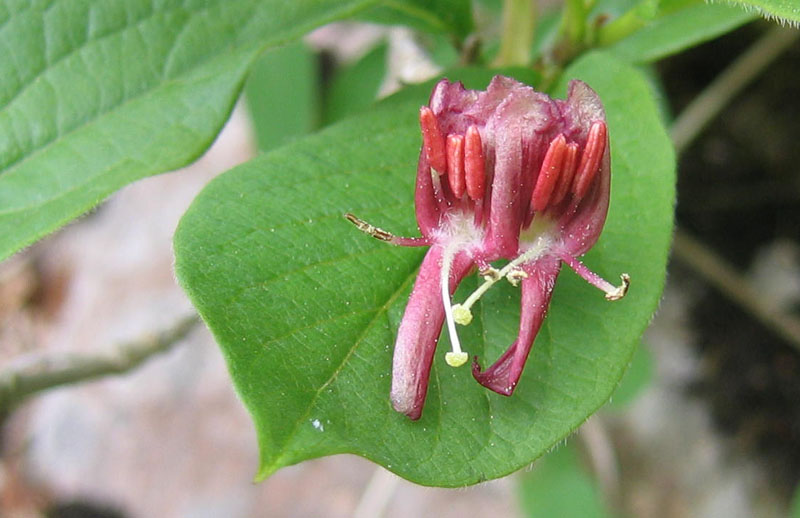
point(506, 173)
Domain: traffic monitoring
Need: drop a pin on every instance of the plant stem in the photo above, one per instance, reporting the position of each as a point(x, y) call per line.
point(728, 84)
point(573, 23)
point(621, 28)
point(517, 37)
point(36, 373)
point(596, 438)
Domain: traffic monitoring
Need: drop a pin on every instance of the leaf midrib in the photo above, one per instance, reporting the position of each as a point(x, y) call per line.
point(278, 462)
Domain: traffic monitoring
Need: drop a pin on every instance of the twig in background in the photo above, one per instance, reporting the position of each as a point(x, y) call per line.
point(376, 495)
point(603, 457)
point(733, 285)
point(728, 84)
point(687, 126)
point(34, 373)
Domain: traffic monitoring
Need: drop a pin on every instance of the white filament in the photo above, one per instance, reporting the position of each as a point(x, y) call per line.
point(457, 357)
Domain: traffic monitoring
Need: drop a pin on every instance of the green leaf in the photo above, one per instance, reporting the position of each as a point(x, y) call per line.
point(355, 87)
point(438, 16)
point(786, 11)
point(305, 307)
point(794, 506)
point(282, 93)
point(98, 94)
point(559, 485)
point(679, 30)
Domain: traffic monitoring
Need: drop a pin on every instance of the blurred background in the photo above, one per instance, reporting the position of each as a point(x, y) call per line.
point(705, 424)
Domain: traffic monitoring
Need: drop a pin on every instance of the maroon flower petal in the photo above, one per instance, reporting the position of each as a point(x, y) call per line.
point(419, 331)
point(537, 288)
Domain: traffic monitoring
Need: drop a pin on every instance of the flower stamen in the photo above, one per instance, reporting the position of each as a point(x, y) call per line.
point(590, 159)
point(383, 235)
point(552, 168)
point(432, 140)
point(567, 174)
point(456, 357)
point(474, 168)
point(514, 276)
point(511, 271)
point(612, 292)
point(455, 164)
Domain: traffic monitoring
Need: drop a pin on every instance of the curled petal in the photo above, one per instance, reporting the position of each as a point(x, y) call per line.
point(582, 107)
point(583, 221)
point(537, 288)
point(419, 331)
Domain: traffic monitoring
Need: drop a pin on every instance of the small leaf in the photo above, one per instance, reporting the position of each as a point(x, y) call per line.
point(282, 93)
point(794, 506)
point(558, 485)
point(785, 11)
point(95, 95)
point(678, 30)
point(355, 87)
point(305, 307)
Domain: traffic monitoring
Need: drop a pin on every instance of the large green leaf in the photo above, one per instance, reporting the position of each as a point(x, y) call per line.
point(678, 30)
point(283, 95)
point(355, 87)
point(559, 486)
point(305, 307)
point(96, 94)
point(787, 11)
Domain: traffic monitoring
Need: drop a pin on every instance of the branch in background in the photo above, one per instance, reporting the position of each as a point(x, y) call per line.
point(687, 126)
point(377, 493)
point(594, 436)
point(36, 373)
point(728, 84)
point(733, 285)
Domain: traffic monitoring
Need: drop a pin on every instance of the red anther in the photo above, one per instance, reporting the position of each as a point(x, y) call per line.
point(432, 140)
point(590, 159)
point(474, 167)
point(552, 165)
point(567, 174)
point(455, 164)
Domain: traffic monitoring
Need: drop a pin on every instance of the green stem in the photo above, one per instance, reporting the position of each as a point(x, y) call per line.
point(573, 24)
point(517, 37)
point(630, 22)
point(620, 28)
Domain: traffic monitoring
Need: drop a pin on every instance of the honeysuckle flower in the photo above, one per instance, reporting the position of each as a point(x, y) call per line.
point(506, 173)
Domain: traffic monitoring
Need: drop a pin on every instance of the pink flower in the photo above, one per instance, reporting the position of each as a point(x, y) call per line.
point(506, 173)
